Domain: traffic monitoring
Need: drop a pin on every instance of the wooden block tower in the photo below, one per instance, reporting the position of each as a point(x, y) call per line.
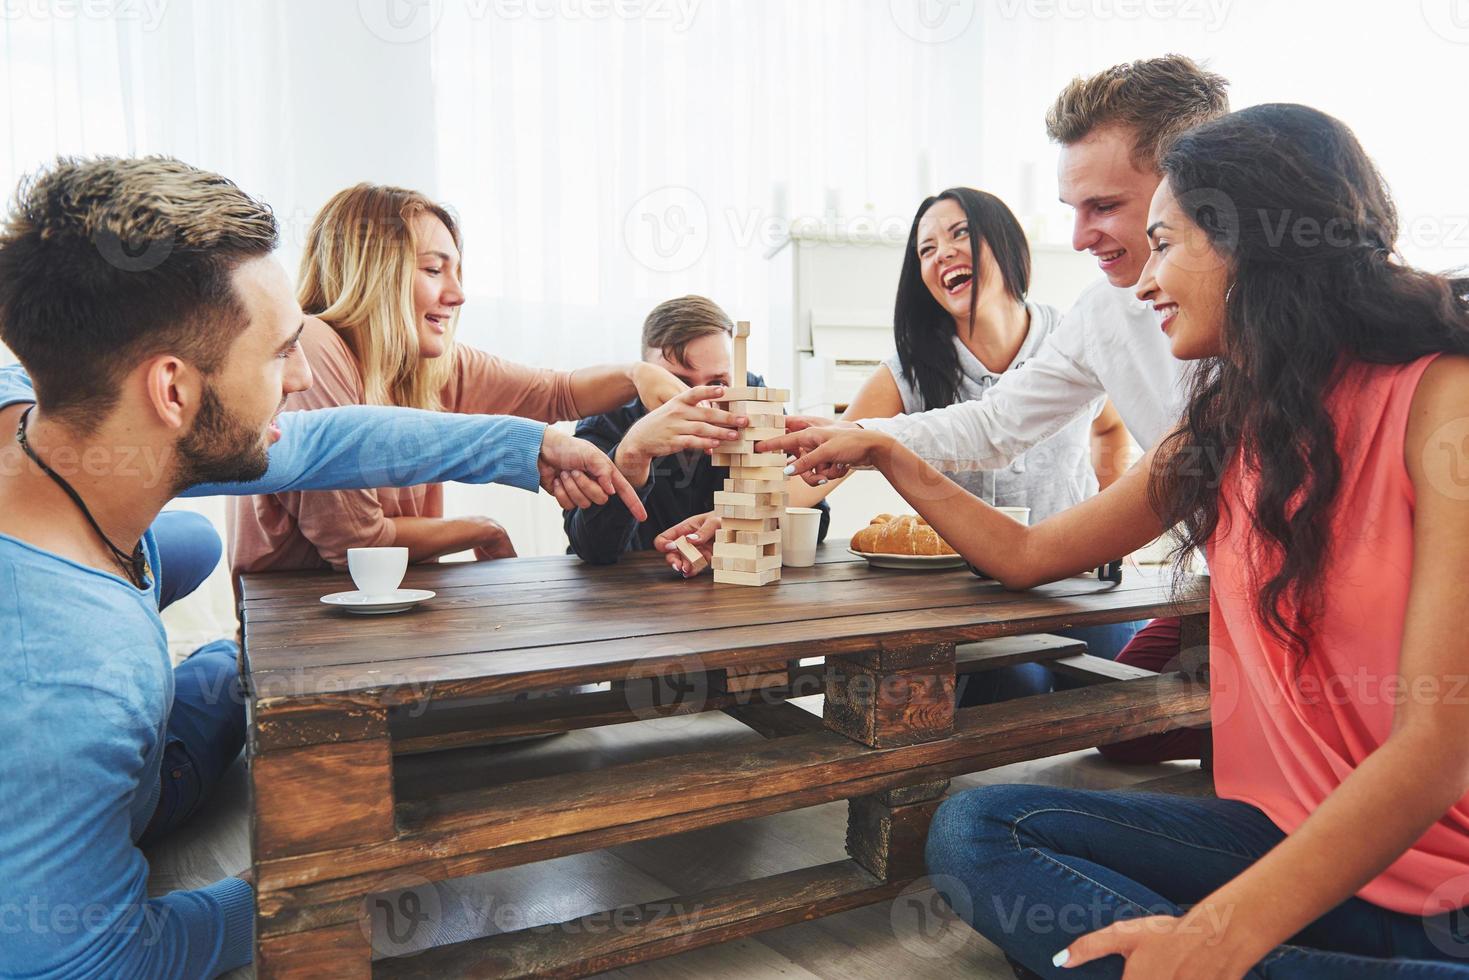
point(753, 502)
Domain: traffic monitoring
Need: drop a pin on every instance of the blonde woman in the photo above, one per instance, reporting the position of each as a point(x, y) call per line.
point(381, 284)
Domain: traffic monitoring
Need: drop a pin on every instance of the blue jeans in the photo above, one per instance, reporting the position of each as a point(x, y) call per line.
point(188, 550)
point(1023, 680)
point(206, 725)
point(1032, 868)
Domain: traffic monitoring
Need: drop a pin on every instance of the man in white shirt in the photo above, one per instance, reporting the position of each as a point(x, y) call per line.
point(1112, 128)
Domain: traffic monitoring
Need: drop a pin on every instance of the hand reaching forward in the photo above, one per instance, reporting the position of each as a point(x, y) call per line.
point(580, 475)
point(699, 529)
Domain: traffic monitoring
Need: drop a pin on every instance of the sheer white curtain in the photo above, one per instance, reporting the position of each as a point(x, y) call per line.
point(603, 163)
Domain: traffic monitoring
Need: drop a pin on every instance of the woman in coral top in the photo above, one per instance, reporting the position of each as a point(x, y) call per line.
point(1323, 461)
point(380, 278)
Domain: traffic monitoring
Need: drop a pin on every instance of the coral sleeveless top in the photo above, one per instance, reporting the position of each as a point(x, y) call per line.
point(1288, 730)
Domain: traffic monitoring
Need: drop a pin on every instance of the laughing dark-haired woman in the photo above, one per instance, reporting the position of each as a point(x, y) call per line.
point(1333, 385)
point(961, 320)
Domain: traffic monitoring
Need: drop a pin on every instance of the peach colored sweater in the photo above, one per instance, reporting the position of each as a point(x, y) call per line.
point(1288, 730)
point(315, 529)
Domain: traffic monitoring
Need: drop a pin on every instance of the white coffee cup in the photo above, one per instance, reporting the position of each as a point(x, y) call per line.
point(798, 532)
point(1020, 514)
point(377, 572)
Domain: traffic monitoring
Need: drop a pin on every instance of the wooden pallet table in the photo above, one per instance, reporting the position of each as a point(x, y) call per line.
point(362, 799)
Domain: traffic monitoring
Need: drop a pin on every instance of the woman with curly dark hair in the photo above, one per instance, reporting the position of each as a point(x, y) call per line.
point(1323, 463)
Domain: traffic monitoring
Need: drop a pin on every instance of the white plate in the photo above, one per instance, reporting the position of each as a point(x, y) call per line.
point(396, 601)
point(911, 562)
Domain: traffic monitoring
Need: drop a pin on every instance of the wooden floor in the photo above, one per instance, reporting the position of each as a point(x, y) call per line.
point(882, 940)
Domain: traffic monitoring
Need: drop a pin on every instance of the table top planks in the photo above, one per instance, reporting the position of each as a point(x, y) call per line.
point(532, 623)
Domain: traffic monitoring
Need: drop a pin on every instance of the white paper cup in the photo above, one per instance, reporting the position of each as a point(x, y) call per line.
point(377, 572)
point(1021, 514)
point(798, 532)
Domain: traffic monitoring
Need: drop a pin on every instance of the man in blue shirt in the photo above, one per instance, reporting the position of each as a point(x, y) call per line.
point(665, 453)
point(160, 336)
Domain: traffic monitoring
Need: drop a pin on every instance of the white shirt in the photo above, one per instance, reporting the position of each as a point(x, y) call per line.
point(1108, 343)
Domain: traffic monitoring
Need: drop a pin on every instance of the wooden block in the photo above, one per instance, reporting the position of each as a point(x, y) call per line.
point(725, 537)
point(746, 564)
point(759, 433)
point(758, 460)
point(333, 951)
point(742, 393)
point(755, 537)
point(691, 554)
point(729, 513)
point(726, 498)
point(734, 549)
point(889, 709)
point(888, 840)
point(755, 486)
point(741, 352)
point(745, 524)
point(757, 473)
point(320, 797)
point(725, 577)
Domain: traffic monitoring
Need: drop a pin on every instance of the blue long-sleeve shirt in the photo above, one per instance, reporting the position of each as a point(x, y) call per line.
point(85, 691)
point(679, 486)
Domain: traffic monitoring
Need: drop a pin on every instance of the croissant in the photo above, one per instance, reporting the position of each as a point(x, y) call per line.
point(906, 535)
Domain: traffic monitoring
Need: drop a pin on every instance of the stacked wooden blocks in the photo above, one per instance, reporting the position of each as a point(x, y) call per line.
point(753, 502)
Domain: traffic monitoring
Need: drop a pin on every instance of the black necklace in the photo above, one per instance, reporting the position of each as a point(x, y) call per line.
point(135, 565)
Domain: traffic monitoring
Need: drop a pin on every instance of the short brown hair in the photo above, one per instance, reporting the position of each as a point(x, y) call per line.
point(676, 323)
point(1157, 98)
point(107, 261)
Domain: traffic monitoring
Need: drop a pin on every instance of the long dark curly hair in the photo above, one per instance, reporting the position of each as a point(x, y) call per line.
point(1307, 226)
point(923, 331)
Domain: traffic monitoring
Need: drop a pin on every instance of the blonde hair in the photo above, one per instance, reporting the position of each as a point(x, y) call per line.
point(357, 275)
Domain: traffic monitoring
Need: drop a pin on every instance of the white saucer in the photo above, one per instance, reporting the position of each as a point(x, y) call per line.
point(395, 601)
point(910, 562)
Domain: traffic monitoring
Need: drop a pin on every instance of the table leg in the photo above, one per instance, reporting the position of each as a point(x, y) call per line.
point(889, 697)
point(316, 797)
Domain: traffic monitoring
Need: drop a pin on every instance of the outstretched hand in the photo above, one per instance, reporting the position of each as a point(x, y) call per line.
point(579, 475)
point(699, 529)
point(827, 452)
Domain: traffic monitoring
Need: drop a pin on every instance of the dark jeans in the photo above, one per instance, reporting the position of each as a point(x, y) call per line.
point(1023, 680)
point(1032, 868)
point(206, 725)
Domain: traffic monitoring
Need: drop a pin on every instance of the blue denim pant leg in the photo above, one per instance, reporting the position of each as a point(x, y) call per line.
point(206, 731)
point(1032, 868)
point(188, 550)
